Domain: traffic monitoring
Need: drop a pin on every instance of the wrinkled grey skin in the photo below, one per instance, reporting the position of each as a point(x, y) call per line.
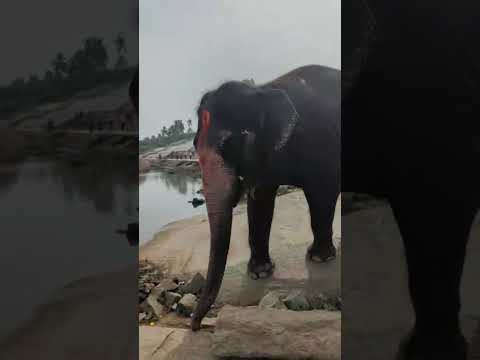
point(257, 138)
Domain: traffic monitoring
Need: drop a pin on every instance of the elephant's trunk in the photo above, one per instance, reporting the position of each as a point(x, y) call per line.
point(219, 184)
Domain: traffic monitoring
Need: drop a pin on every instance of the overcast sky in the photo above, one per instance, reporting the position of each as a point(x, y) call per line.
point(33, 32)
point(188, 47)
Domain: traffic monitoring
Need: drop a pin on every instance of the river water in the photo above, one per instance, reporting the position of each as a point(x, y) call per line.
point(163, 198)
point(56, 216)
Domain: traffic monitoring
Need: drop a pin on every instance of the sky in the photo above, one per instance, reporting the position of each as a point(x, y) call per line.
point(189, 47)
point(33, 32)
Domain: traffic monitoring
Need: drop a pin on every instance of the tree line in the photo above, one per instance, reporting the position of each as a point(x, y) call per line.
point(168, 135)
point(87, 67)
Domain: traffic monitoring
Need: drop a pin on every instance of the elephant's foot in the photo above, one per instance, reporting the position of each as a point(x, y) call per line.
point(260, 269)
point(323, 254)
point(415, 347)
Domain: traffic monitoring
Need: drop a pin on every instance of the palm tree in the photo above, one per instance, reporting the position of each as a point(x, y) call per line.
point(95, 52)
point(164, 131)
point(59, 65)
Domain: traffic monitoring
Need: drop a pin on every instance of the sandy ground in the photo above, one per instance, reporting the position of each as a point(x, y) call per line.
point(183, 247)
point(376, 311)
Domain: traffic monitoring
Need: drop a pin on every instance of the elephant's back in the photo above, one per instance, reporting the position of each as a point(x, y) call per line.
point(315, 92)
point(324, 80)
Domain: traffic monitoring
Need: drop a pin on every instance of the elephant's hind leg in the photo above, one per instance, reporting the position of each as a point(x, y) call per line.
point(435, 232)
point(322, 212)
point(260, 214)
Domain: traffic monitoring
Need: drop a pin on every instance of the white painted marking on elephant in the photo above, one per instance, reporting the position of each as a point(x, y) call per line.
point(291, 124)
point(302, 80)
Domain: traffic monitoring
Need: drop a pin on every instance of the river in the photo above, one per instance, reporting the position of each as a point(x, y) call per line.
point(68, 216)
point(163, 198)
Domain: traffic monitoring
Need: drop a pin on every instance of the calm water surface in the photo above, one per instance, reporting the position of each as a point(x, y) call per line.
point(68, 220)
point(164, 198)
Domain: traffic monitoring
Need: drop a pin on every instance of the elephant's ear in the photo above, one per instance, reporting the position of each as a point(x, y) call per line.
point(279, 120)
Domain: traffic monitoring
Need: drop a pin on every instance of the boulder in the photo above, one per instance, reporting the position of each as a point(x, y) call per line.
point(155, 305)
point(194, 286)
point(325, 302)
point(297, 301)
point(272, 301)
point(186, 305)
point(250, 332)
point(164, 286)
point(170, 299)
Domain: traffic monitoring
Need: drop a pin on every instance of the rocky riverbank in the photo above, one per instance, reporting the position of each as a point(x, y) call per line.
point(301, 297)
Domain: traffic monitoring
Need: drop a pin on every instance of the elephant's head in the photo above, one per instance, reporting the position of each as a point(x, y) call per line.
point(240, 128)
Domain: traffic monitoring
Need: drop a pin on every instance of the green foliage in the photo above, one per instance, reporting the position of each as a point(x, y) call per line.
point(84, 70)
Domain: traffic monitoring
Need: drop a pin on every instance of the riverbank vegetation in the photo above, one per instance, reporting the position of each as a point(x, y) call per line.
point(169, 135)
point(88, 67)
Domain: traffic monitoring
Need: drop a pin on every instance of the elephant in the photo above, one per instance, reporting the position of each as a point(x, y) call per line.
point(411, 134)
point(253, 139)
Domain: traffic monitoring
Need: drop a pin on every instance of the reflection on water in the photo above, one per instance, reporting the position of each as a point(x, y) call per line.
point(55, 216)
point(163, 199)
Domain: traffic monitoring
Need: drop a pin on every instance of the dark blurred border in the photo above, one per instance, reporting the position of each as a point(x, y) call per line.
point(69, 180)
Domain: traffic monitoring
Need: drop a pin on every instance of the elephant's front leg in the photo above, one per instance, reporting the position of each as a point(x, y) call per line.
point(435, 233)
point(261, 204)
point(322, 211)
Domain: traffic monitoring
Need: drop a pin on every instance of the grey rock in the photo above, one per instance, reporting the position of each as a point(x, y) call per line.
point(149, 286)
point(318, 301)
point(164, 286)
point(194, 286)
point(171, 299)
point(187, 305)
point(297, 301)
point(156, 306)
point(250, 332)
point(324, 302)
point(272, 301)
